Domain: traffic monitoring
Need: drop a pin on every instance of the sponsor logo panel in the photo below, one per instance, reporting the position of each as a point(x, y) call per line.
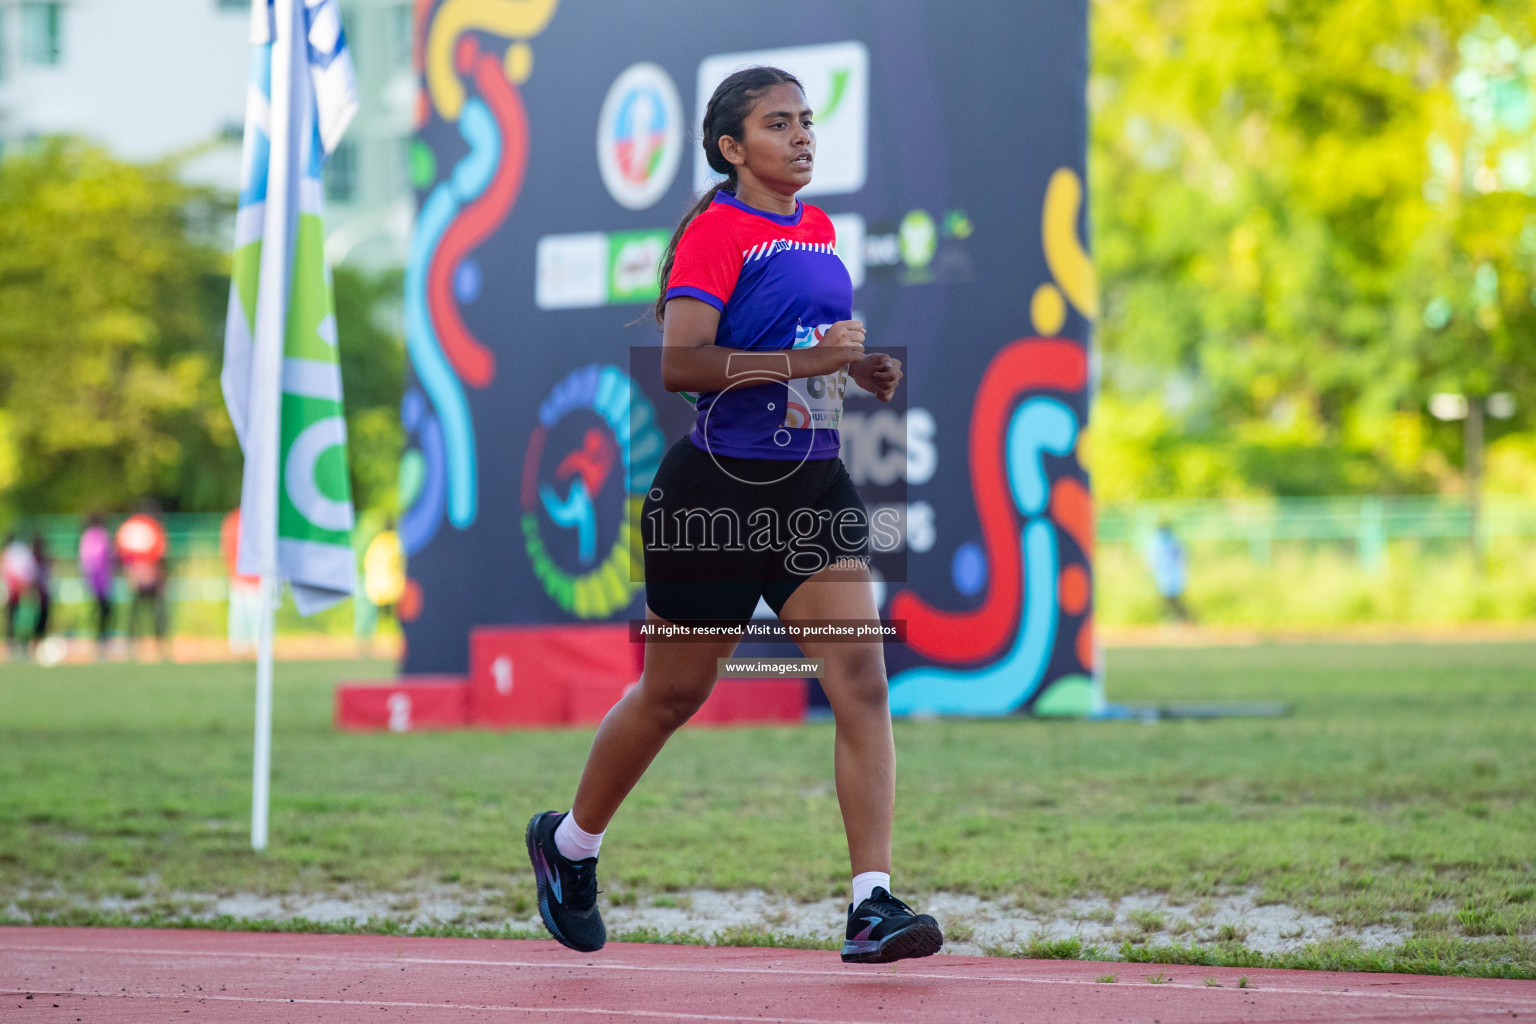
point(598, 268)
point(634, 258)
point(571, 271)
point(921, 247)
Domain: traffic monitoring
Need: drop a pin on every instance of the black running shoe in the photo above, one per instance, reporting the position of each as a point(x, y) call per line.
point(567, 888)
point(883, 928)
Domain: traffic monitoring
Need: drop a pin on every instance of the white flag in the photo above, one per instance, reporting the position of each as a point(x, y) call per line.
point(282, 376)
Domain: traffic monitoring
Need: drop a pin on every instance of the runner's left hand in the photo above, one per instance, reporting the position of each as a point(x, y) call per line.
point(878, 374)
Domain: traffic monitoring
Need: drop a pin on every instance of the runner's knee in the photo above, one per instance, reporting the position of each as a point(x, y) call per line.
point(672, 705)
point(858, 682)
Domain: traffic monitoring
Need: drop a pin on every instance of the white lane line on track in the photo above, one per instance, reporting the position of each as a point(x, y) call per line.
point(1335, 1018)
point(372, 960)
point(414, 1005)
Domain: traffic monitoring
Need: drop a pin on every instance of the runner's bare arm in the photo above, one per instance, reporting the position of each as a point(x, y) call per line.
point(691, 361)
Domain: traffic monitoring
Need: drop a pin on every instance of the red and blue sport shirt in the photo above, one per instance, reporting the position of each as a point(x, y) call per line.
point(778, 284)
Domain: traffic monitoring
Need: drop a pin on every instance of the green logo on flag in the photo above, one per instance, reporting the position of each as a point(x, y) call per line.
point(315, 496)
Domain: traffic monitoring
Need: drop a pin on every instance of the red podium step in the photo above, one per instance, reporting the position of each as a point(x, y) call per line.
point(753, 702)
point(543, 676)
point(525, 675)
point(414, 703)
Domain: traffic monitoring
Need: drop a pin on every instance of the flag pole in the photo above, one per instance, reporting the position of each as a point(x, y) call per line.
point(302, 92)
point(267, 361)
point(261, 771)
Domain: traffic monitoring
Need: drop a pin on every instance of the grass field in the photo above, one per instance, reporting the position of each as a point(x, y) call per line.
point(1401, 791)
point(1323, 586)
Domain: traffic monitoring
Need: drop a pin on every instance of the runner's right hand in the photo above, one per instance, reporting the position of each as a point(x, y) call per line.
point(842, 344)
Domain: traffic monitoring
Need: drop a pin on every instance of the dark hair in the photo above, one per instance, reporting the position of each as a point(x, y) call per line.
point(726, 114)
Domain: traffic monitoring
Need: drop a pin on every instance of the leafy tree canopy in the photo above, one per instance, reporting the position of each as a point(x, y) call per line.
point(113, 290)
point(1309, 216)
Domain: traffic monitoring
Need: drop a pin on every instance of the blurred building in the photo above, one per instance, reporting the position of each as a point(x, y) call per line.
point(151, 79)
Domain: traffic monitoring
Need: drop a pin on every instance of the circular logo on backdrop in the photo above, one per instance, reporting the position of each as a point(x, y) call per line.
point(597, 433)
point(640, 136)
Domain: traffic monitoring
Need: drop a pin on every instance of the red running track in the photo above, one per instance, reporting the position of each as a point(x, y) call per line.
point(138, 975)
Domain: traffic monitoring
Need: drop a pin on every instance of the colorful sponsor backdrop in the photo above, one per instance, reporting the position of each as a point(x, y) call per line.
point(556, 149)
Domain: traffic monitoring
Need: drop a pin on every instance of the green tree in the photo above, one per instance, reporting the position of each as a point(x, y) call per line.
point(1290, 261)
point(112, 293)
point(373, 381)
point(114, 286)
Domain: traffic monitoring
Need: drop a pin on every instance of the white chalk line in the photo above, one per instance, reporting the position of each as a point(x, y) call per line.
point(1371, 1018)
point(414, 1005)
point(371, 960)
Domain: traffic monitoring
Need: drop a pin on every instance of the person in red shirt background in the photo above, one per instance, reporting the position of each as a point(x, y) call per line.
point(141, 547)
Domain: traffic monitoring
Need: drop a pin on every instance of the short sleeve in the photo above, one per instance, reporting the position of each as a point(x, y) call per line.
point(707, 262)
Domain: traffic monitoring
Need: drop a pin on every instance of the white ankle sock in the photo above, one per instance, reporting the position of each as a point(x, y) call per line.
point(863, 884)
point(574, 842)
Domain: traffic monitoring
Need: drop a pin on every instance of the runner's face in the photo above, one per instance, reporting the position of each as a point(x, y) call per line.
point(780, 144)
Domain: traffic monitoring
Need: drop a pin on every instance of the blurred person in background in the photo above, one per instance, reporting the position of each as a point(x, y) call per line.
point(19, 567)
point(96, 570)
point(384, 569)
point(141, 550)
point(42, 586)
point(244, 591)
point(1166, 558)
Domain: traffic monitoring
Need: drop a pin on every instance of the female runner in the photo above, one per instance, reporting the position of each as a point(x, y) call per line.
point(756, 316)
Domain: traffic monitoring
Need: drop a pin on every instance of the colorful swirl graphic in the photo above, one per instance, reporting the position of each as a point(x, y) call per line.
point(1019, 369)
point(439, 473)
point(1031, 579)
point(487, 183)
point(1021, 600)
point(423, 481)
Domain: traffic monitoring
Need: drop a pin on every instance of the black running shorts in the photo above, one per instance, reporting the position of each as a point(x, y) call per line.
point(720, 532)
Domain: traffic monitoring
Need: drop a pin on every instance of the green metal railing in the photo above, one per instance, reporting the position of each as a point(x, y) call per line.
point(1368, 523)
